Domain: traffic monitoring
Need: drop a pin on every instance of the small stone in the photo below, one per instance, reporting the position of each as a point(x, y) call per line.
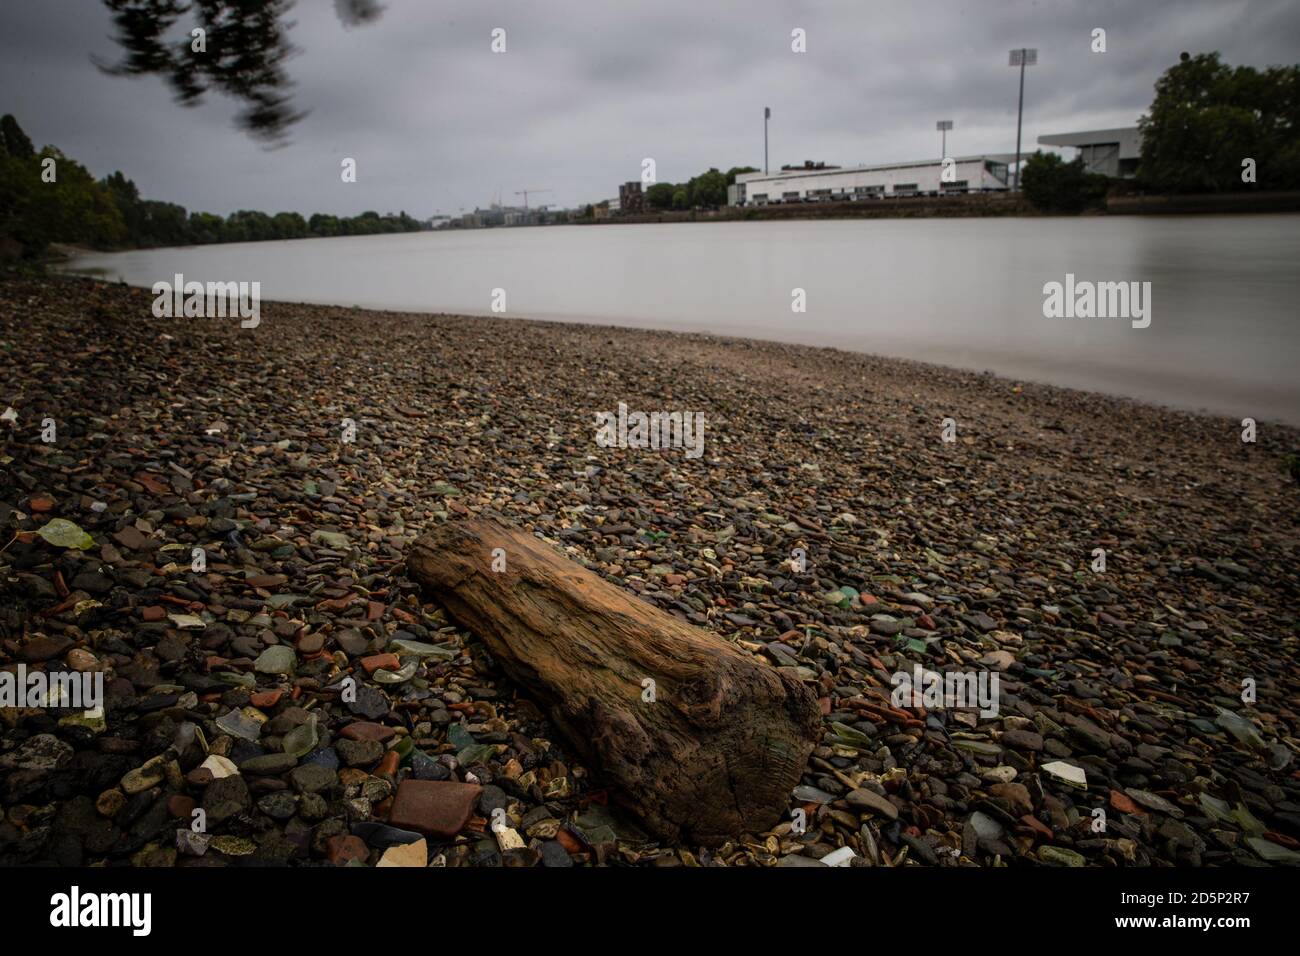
point(1122, 803)
point(44, 647)
point(382, 835)
point(1153, 801)
point(192, 843)
point(225, 798)
point(330, 539)
point(1067, 774)
point(554, 855)
point(508, 839)
point(375, 662)
point(130, 538)
point(233, 845)
point(42, 753)
point(219, 766)
point(363, 730)
point(1061, 856)
point(341, 849)
point(81, 660)
point(435, 808)
point(406, 854)
point(1022, 740)
point(110, 803)
point(807, 794)
point(310, 644)
point(266, 580)
point(269, 765)
point(240, 725)
point(841, 857)
point(1015, 796)
point(359, 753)
point(180, 806)
point(277, 659)
point(312, 778)
point(873, 802)
point(370, 702)
point(999, 660)
point(151, 774)
point(278, 805)
point(265, 700)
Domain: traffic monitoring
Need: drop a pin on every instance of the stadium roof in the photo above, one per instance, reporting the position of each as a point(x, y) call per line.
point(1128, 138)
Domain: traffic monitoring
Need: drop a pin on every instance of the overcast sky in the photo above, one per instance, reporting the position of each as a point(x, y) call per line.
point(438, 122)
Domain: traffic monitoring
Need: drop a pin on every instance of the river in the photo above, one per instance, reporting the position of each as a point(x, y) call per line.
point(1223, 335)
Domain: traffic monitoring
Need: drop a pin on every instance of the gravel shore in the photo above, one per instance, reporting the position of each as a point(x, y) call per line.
point(1147, 711)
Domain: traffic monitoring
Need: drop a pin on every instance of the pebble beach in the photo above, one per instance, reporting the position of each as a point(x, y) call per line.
point(1147, 709)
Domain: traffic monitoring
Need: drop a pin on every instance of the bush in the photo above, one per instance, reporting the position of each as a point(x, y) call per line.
point(1053, 185)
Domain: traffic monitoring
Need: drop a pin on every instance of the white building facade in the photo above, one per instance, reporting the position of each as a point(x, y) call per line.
point(925, 178)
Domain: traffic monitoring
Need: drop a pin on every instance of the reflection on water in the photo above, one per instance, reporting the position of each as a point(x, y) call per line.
point(965, 292)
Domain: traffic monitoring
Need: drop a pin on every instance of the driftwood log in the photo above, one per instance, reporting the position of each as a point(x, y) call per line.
point(724, 741)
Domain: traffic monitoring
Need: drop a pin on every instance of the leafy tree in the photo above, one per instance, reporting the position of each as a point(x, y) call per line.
point(19, 181)
point(35, 211)
point(1053, 185)
point(205, 228)
point(77, 209)
point(708, 189)
point(1207, 117)
point(681, 198)
point(127, 197)
point(163, 224)
point(288, 225)
point(323, 225)
point(660, 195)
point(247, 225)
point(13, 140)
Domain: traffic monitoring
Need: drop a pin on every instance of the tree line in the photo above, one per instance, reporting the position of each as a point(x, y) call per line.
point(43, 202)
point(707, 190)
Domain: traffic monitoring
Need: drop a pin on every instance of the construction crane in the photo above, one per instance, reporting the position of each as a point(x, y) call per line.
point(525, 192)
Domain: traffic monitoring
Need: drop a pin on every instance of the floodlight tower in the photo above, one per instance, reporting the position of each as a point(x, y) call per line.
point(943, 126)
point(1022, 58)
point(767, 115)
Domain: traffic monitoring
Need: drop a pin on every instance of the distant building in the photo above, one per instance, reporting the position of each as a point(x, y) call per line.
point(1110, 152)
point(817, 182)
point(601, 209)
point(807, 164)
point(630, 198)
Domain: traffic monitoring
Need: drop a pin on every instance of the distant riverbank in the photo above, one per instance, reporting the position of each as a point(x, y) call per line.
point(963, 206)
